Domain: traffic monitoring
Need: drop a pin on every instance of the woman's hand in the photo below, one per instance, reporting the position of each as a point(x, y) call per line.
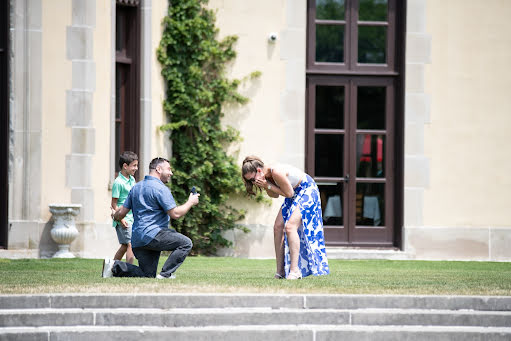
point(262, 183)
point(271, 189)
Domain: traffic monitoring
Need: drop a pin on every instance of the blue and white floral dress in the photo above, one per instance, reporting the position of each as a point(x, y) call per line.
point(312, 259)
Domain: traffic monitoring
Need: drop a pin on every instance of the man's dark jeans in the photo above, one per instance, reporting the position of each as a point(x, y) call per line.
point(149, 255)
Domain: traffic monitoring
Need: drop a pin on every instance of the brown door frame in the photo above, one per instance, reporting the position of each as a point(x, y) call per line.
point(4, 123)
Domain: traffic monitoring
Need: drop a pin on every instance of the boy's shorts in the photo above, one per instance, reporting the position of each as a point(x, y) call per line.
point(123, 235)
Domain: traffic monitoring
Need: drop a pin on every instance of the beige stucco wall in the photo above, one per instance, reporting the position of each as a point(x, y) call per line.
point(259, 121)
point(467, 140)
point(56, 79)
point(272, 123)
point(160, 141)
point(456, 167)
point(457, 114)
point(101, 111)
point(53, 21)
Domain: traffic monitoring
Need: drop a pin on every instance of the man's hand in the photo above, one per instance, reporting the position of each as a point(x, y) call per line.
point(179, 211)
point(193, 199)
point(124, 224)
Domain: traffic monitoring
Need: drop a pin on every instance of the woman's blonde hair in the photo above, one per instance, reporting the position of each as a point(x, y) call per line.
point(250, 165)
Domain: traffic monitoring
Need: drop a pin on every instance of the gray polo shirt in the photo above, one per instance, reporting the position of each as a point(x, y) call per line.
point(149, 200)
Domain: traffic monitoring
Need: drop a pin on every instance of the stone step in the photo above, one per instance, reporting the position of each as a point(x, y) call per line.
point(257, 333)
point(253, 317)
point(339, 252)
point(169, 317)
point(422, 317)
point(247, 316)
point(297, 301)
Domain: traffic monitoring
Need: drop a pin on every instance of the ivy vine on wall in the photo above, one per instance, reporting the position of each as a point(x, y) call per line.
point(193, 66)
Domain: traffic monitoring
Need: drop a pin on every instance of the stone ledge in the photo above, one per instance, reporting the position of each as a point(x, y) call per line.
point(253, 333)
point(19, 254)
point(458, 243)
point(289, 301)
point(364, 253)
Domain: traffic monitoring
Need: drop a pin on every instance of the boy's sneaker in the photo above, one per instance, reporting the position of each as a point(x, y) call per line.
point(108, 264)
point(172, 276)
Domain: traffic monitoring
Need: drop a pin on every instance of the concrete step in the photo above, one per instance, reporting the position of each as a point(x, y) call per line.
point(253, 317)
point(421, 317)
point(256, 333)
point(298, 301)
point(339, 252)
point(170, 317)
point(248, 316)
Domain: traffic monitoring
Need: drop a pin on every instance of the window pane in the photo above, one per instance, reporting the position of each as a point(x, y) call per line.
point(330, 43)
point(330, 107)
point(372, 10)
point(117, 144)
point(120, 34)
point(329, 155)
point(330, 9)
point(118, 85)
point(371, 107)
point(331, 203)
point(370, 204)
point(372, 44)
point(370, 156)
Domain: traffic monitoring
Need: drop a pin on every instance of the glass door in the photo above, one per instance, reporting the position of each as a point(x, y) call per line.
point(328, 150)
point(349, 149)
point(371, 160)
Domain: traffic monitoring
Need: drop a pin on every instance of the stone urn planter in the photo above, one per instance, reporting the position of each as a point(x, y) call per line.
point(64, 229)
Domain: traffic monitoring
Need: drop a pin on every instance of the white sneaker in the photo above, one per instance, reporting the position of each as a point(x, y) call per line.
point(172, 276)
point(108, 264)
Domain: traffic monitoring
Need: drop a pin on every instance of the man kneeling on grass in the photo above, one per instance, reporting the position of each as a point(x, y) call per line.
point(152, 203)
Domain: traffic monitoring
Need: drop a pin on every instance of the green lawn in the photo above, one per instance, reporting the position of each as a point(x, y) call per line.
point(235, 275)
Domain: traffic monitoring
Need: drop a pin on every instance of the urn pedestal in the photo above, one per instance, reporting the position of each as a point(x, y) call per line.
point(64, 229)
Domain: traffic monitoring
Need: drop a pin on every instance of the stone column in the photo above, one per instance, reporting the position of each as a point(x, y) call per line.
point(79, 106)
point(25, 130)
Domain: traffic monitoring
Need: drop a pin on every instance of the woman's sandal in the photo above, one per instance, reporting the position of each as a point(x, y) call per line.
point(278, 276)
point(294, 275)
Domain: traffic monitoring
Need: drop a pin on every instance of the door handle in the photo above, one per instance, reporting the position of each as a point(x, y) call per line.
point(347, 178)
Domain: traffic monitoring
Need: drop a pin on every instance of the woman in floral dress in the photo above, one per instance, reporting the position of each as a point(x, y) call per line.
point(298, 230)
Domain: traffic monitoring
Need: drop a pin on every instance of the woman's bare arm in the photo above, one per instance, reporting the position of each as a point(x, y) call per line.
point(271, 192)
point(283, 187)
